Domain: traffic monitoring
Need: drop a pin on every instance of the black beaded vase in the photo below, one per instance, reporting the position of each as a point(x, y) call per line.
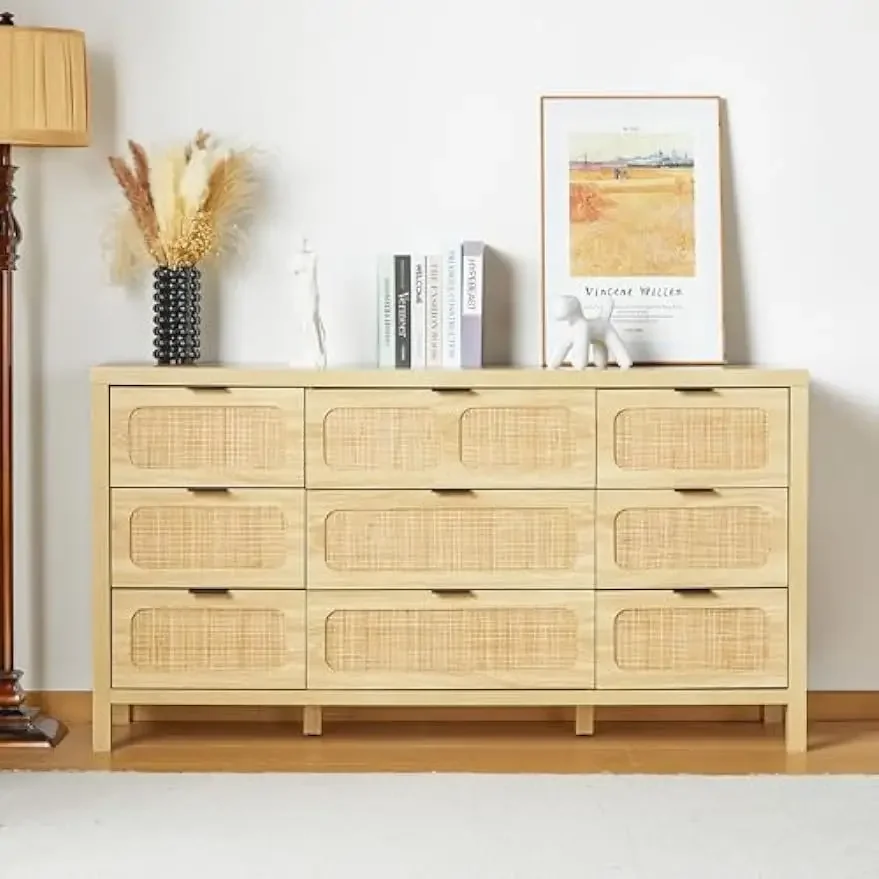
point(176, 315)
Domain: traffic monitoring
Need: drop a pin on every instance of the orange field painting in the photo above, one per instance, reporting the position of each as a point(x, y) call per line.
point(631, 205)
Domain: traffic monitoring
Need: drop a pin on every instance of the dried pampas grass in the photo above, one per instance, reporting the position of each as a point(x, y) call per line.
point(126, 248)
point(182, 207)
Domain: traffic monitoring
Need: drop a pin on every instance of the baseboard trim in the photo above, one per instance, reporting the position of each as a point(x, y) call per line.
point(75, 707)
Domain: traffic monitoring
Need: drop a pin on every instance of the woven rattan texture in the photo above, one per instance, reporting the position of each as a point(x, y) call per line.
point(681, 639)
point(691, 439)
point(531, 438)
point(381, 439)
point(207, 639)
point(450, 539)
point(202, 537)
point(679, 538)
point(207, 437)
point(454, 641)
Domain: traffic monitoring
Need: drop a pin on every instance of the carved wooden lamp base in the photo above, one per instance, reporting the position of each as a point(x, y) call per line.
point(21, 726)
point(45, 80)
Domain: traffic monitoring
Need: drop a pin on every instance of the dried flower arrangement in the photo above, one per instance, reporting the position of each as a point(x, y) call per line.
point(182, 208)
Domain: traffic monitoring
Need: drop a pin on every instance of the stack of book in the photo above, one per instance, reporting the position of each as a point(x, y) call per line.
point(430, 308)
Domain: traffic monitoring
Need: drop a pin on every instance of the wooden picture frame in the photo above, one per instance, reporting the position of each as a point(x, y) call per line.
point(631, 215)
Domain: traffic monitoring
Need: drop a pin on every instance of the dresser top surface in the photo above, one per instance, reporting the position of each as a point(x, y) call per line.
point(232, 375)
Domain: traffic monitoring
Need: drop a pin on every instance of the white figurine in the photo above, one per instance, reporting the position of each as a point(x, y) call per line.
point(305, 270)
point(583, 335)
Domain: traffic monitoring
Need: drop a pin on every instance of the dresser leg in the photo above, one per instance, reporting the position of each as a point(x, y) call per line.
point(121, 714)
point(584, 720)
point(102, 725)
point(796, 727)
point(312, 720)
point(773, 714)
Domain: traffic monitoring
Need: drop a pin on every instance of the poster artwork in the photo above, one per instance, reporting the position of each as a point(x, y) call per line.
point(631, 212)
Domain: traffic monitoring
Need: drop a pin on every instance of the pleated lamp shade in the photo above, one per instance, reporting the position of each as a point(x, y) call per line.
point(44, 87)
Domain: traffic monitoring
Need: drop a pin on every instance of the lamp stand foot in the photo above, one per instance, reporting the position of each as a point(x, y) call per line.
point(20, 726)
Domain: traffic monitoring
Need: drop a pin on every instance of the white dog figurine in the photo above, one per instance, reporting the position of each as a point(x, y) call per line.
point(584, 335)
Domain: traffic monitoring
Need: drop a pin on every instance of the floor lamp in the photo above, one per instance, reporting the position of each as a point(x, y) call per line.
point(44, 102)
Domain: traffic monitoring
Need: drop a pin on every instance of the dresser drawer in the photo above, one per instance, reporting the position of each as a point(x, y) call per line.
point(687, 640)
point(206, 436)
point(425, 640)
point(176, 640)
point(665, 538)
point(411, 539)
point(194, 537)
point(420, 438)
point(693, 437)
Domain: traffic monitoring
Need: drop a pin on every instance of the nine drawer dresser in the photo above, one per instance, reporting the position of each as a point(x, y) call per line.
point(456, 538)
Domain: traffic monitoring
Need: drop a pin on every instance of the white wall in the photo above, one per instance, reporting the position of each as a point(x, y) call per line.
point(398, 124)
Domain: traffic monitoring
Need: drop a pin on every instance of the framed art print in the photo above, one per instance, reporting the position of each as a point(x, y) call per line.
point(631, 215)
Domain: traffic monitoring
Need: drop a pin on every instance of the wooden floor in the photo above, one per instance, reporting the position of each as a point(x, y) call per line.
point(621, 747)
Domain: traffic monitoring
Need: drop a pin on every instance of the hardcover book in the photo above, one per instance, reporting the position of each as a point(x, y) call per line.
point(418, 323)
point(434, 275)
point(402, 282)
point(473, 253)
point(387, 349)
point(451, 298)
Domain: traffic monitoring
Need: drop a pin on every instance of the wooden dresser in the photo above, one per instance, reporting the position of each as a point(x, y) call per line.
point(471, 538)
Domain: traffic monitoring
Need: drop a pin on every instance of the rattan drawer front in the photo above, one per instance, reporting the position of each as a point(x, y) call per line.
point(421, 438)
point(683, 640)
point(664, 538)
point(412, 539)
point(423, 640)
point(176, 640)
point(711, 438)
point(183, 537)
point(206, 436)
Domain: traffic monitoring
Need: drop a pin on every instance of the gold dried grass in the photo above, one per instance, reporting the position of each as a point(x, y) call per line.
point(231, 193)
point(183, 207)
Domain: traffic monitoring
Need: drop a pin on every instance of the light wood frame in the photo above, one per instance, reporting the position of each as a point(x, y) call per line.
point(102, 623)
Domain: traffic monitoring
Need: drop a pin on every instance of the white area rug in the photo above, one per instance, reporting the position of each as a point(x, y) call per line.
point(97, 825)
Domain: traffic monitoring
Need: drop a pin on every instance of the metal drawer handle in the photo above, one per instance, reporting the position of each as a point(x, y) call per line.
point(209, 590)
point(698, 590)
point(452, 593)
point(696, 390)
point(207, 489)
point(452, 490)
point(452, 390)
point(696, 490)
point(198, 389)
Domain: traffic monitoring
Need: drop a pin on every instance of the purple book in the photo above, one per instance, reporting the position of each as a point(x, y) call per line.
point(472, 293)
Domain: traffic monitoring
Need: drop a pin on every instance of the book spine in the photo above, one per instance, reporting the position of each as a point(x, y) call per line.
point(471, 303)
point(452, 308)
point(419, 313)
point(402, 280)
point(387, 351)
point(434, 275)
